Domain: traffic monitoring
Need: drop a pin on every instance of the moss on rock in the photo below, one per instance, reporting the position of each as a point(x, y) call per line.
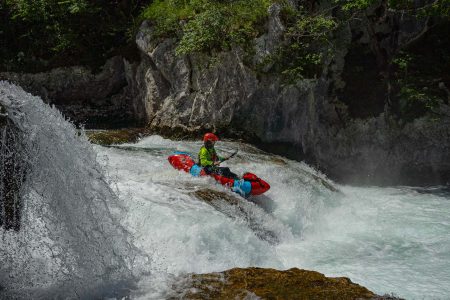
point(294, 283)
point(110, 137)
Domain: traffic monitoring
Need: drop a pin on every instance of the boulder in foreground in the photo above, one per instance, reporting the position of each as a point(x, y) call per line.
point(254, 283)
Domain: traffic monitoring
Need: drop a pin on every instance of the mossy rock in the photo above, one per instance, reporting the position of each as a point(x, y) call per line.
point(294, 283)
point(111, 137)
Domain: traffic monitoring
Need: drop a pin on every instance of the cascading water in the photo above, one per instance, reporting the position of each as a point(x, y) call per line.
point(72, 239)
point(391, 240)
point(70, 243)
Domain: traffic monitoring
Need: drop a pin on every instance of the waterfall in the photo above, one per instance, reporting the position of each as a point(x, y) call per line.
point(70, 242)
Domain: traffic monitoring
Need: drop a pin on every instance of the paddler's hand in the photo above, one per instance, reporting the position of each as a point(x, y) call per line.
point(216, 163)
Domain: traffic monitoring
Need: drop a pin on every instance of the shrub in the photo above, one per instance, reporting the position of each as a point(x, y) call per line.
point(42, 34)
point(203, 25)
point(307, 42)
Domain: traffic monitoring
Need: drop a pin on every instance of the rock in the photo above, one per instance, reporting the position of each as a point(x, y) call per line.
point(334, 122)
point(249, 283)
point(267, 43)
point(236, 208)
point(112, 137)
point(95, 100)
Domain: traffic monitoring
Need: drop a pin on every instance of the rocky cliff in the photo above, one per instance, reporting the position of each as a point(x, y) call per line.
point(99, 100)
point(342, 122)
point(348, 121)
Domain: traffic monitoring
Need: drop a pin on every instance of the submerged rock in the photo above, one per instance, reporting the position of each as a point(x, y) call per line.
point(238, 208)
point(260, 283)
point(120, 136)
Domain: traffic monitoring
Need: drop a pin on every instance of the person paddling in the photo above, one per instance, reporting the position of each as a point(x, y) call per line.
point(210, 161)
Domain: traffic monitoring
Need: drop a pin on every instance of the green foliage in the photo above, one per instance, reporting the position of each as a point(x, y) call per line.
point(203, 25)
point(414, 90)
point(41, 10)
point(167, 14)
point(53, 17)
point(49, 33)
point(203, 32)
point(352, 5)
point(307, 44)
point(440, 8)
point(402, 62)
point(414, 75)
point(413, 102)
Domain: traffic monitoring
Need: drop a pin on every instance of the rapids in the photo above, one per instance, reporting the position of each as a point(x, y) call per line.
point(391, 240)
point(109, 221)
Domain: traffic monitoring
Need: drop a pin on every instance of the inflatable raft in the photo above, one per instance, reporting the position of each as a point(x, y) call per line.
point(250, 184)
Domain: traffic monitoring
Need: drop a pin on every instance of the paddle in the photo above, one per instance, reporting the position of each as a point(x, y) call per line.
point(227, 158)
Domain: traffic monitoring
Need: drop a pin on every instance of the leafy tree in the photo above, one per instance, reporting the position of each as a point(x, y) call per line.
point(308, 41)
point(203, 25)
point(41, 34)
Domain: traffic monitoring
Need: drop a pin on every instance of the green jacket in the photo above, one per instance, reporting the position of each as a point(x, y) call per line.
point(207, 157)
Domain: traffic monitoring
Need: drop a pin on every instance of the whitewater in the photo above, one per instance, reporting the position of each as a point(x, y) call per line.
point(119, 220)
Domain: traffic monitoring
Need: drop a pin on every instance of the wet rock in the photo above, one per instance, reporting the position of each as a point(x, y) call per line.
point(99, 100)
point(111, 137)
point(237, 208)
point(250, 283)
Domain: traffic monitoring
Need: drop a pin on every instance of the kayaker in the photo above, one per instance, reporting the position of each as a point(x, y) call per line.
point(210, 161)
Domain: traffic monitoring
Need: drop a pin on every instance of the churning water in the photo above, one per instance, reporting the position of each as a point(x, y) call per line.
point(99, 221)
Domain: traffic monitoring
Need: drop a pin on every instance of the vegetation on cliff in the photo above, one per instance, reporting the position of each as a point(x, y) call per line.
point(210, 25)
point(40, 35)
point(411, 79)
point(205, 25)
point(309, 39)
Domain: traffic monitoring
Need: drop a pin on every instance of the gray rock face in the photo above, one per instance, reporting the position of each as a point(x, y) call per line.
point(96, 100)
point(188, 95)
point(267, 43)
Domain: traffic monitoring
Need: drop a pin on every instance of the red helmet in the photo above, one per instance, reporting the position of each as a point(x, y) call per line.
point(210, 137)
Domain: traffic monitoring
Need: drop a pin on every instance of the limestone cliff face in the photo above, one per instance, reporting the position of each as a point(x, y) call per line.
point(99, 99)
point(324, 120)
